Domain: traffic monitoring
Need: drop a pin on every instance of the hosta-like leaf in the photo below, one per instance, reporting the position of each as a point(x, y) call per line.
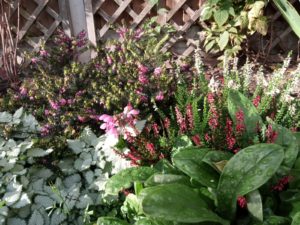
point(157, 179)
point(249, 169)
point(217, 159)
point(296, 219)
point(236, 102)
point(150, 221)
point(111, 221)
point(189, 161)
point(125, 179)
point(254, 205)
point(178, 203)
point(277, 220)
point(286, 139)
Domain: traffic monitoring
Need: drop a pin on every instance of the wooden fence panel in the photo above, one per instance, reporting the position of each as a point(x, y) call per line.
point(39, 19)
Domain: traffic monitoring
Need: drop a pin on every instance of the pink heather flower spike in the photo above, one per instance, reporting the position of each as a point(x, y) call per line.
point(143, 79)
point(43, 53)
point(157, 71)
point(34, 60)
point(54, 105)
point(242, 202)
point(159, 96)
point(142, 69)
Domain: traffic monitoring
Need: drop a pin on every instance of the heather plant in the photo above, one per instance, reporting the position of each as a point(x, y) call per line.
point(65, 95)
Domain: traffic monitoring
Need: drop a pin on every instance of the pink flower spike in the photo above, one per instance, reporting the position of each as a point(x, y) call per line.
point(159, 96)
point(157, 71)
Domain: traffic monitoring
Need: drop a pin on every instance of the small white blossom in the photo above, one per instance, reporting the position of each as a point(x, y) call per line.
point(292, 110)
point(233, 85)
point(213, 85)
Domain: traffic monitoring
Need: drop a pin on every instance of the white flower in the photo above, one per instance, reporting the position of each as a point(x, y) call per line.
point(273, 92)
point(292, 109)
point(233, 85)
point(287, 98)
point(213, 85)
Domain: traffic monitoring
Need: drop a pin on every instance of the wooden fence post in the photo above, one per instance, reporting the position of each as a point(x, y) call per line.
point(81, 18)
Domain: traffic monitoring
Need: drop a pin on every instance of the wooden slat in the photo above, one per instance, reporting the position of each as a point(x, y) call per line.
point(142, 15)
point(175, 9)
point(114, 17)
point(97, 4)
point(104, 15)
point(32, 18)
point(128, 9)
point(183, 29)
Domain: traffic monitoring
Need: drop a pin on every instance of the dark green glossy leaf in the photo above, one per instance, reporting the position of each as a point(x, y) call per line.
point(178, 203)
point(296, 219)
point(214, 157)
point(111, 221)
point(164, 166)
point(246, 171)
point(287, 139)
point(150, 221)
point(277, 220)
point(157, 179)
point(190, 162)
point(254, 205)
point(236, 102)
point(126, 178)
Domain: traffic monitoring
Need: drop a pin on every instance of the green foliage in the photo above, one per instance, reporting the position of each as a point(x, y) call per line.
point(229, 22)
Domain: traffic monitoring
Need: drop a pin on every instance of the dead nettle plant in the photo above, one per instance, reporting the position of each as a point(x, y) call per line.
point(9, 67)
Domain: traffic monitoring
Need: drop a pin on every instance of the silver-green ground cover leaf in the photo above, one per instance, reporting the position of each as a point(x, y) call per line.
point(254, 205)
point(178, 203)
point(189, 161)
point(245, 172)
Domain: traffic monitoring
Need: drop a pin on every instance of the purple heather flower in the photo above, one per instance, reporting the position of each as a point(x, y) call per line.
point(109, 60)
point(47, 112)
point(138, 34)
point(122, 32)
point(143, 79)
point(70, 101)
point(62, 102)
point(34, 60)
point(82, 119)
point(54, 105)
point(159, 96)
point(43, 53)
point(23, 91)
point(142, 69)
point(45, 130)
point(31, 98)
point(157, 71)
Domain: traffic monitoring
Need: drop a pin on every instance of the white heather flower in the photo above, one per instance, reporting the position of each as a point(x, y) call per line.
point(273, 92)
point(247, 73)
point(213, 85)
point(292, 109)
point(287, 98)
point(233, 85)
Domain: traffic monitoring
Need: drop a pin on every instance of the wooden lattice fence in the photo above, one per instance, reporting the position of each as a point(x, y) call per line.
point(39, 19)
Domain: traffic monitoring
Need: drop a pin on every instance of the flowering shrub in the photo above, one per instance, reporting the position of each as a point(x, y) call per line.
point(66, 96)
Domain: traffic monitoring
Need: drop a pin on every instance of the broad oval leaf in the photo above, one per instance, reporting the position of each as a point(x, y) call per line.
point(157, 179)
point(277, 220)
point(111, 221)
point(245, 172)
point(254, 205)
point(221, 16)
point(286, 138)
point(190, 162)
point(217, 159)
point(223, 41)
point(178, 203)
point(126, 178)
point(296, 219)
